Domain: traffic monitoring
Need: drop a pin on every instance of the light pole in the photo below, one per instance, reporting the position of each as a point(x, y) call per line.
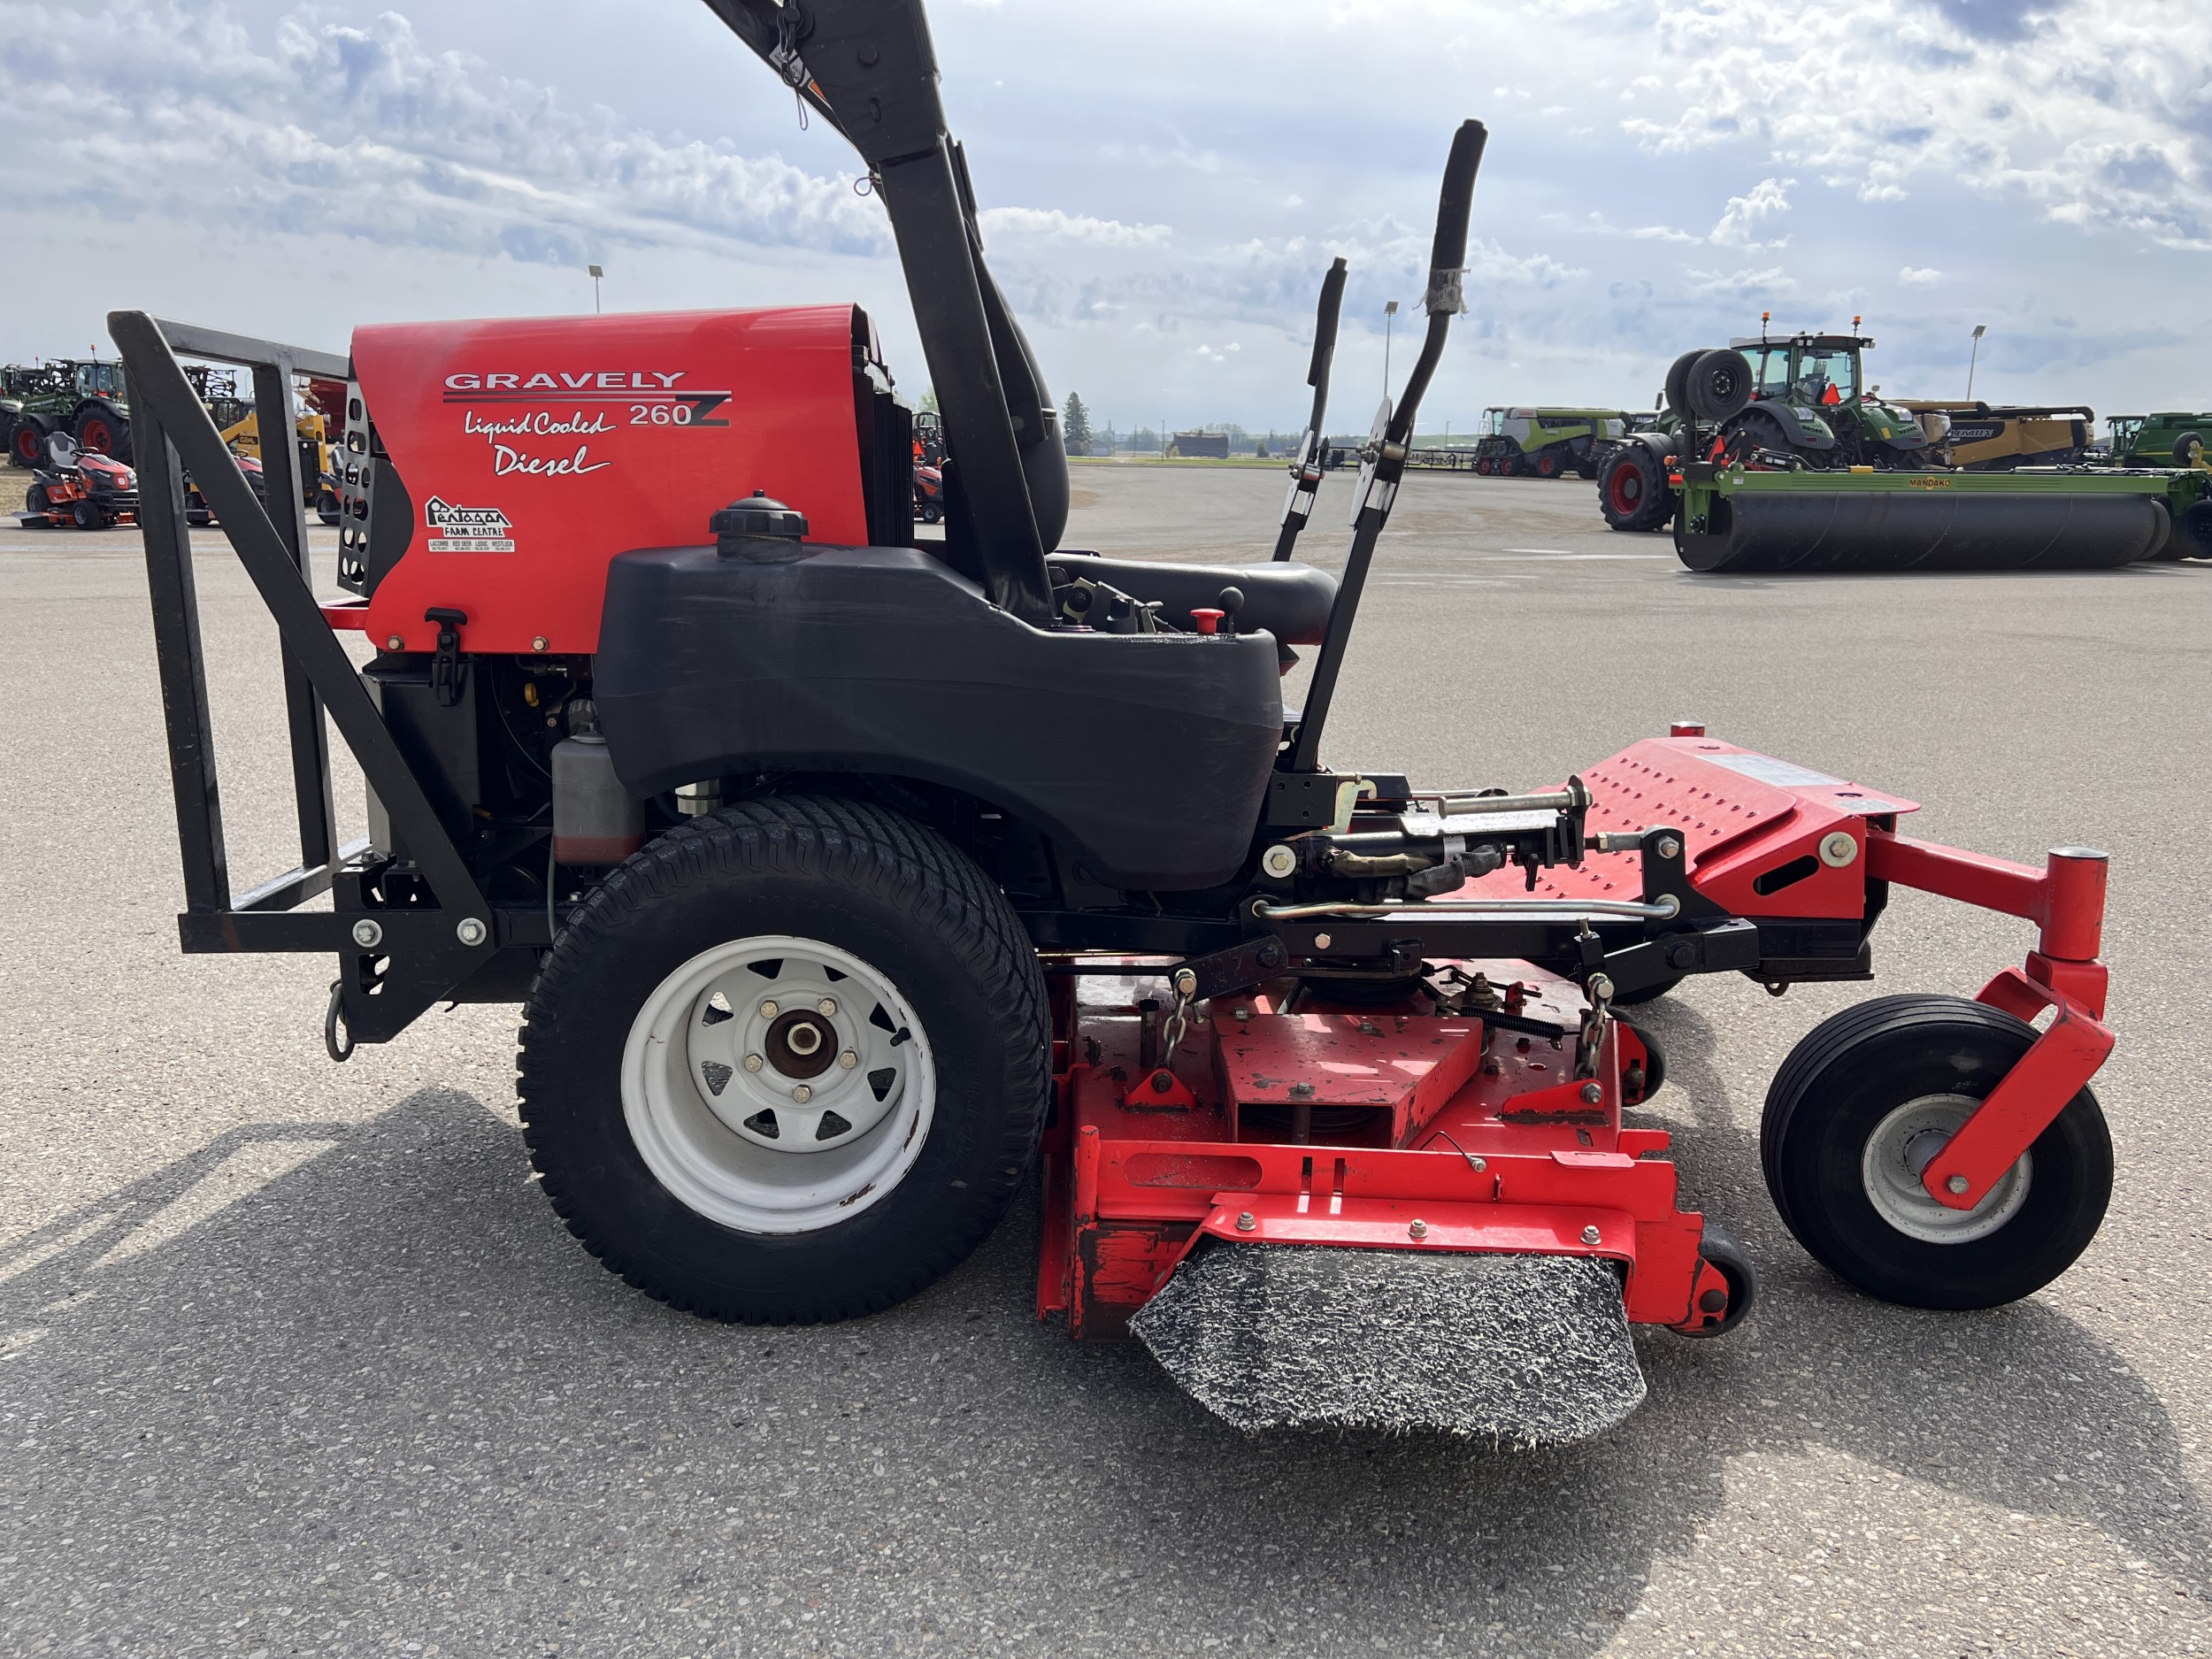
point(595, 274)
point(1390, 310)
point(1973, 358)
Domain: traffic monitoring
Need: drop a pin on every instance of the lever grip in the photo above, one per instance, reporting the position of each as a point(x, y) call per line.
point(1325, 322)
point(1449, 255)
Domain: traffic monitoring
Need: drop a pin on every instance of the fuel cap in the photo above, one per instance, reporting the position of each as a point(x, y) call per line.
point(758, 527)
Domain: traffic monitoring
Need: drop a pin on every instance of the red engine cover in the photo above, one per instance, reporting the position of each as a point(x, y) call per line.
point(536, 450)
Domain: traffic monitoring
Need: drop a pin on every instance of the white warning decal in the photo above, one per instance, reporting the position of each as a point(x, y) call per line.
point(467, 529)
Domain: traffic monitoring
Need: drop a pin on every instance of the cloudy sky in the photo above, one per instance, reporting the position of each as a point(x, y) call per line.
point(1162, 183)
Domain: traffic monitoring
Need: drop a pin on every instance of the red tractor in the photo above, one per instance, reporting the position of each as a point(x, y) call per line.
point(848, 883)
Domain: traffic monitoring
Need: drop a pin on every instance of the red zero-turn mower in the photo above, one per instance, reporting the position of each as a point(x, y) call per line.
point(85, 487)
point(847, 881)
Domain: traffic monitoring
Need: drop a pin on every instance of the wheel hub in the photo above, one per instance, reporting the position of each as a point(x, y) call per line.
point(777, 1084)
point(1898, 1154)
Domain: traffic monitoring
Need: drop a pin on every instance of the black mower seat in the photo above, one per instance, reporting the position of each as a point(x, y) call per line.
point(1291, 601)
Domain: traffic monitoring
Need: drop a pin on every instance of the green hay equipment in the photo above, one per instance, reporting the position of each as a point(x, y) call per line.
point(1545, 442)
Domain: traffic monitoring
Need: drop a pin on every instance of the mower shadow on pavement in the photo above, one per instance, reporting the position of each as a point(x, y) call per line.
point(384, 1386)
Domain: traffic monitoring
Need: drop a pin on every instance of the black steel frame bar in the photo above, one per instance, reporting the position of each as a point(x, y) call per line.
point(174, 431)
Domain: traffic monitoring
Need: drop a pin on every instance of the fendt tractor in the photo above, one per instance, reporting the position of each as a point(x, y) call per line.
point(1772, 458)
point(85, 400)
point(849, 883)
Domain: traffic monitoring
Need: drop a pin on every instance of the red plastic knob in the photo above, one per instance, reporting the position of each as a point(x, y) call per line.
point(1208, 621)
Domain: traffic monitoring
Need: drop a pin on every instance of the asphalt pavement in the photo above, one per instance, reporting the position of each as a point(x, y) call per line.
point(294, 1358)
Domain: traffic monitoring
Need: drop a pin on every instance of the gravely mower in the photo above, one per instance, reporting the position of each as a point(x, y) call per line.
point(845, 881)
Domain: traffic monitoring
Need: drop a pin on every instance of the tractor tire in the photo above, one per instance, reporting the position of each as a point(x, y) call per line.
point(1678, 381)
point(1720, 385)
point(85, 516)
point(28, 443)
point(1482, 467)
point(1756, 429)
point(1862, 1104)
point(104, 429)
point(35, 498)
point(1548, 464)
point(2192, 536)
point(2187, 448)
point(787, 1063)
point(1633, 491)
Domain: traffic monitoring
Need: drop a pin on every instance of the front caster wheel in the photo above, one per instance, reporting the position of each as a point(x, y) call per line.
point(787, 1063)
point(1865, 1103)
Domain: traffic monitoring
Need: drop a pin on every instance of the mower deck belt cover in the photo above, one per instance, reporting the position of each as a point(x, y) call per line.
point(884, 660)
point(535, 450)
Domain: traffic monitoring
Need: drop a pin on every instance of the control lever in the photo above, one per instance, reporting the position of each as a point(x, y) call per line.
point(1384, 461)
point(1305, 466)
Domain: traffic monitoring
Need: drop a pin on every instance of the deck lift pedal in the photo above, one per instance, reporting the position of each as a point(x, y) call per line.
point(848, 879)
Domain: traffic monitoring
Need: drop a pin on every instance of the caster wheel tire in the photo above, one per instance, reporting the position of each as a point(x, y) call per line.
point(1863, 1104)
point(1647, 993)
point(1654, 1076)
point(1739, 1283)
point(787, 1063)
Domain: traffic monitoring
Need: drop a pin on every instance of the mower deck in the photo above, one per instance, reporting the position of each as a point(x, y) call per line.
point(1285, 1117)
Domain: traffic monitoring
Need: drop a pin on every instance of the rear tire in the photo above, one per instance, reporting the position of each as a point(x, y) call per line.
point(27, 442)
point(105, 429)
point(1866, 1101)
point(35, 498)
point(2192, 536)
point(1549, 466)
point(2187, 448)
point(1632, 490)
point(720, 1186)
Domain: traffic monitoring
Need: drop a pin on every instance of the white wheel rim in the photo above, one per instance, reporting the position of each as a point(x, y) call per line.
point(1900, 1148)
point(800, 1139)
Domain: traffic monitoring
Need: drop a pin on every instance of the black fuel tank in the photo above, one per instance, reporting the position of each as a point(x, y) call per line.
point(1148, 756)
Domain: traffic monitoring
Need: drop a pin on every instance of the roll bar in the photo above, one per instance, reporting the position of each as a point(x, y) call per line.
point(868, 68)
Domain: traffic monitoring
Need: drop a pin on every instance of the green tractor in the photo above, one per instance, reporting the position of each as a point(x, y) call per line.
point(1809, 401)
point(2170, 439)
point(85, 398)
point(1544, 442)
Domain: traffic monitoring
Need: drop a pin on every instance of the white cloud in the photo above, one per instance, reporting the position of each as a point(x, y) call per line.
point(1920, 276)
point(360, 129)
point(1053, 225)
point(2093, 112)
point(1744, 213)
